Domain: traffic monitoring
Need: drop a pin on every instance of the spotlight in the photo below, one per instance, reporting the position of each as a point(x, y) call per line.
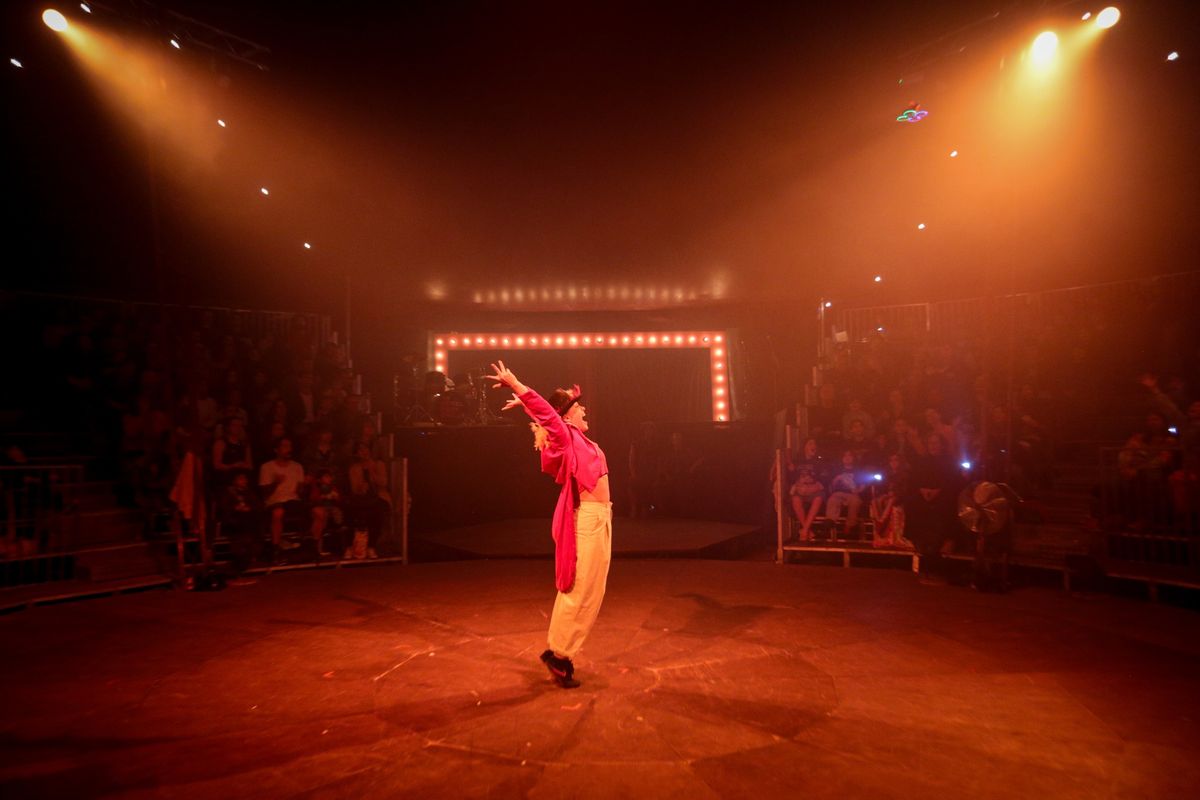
point(920, 226)
point(1172, 56)
point(264, 191)
point(1173, 430)
point(965, 465)
point(175, 43)
point(1108, 17)
point(1086, 16)
point(954, 154)
point(307, 246)
point(221, 122)
point(16, 63)
point(54, 20)
point(86, 8)
point(1044, 47)
point(828, 304)
point(877, 476)
point(879, 279)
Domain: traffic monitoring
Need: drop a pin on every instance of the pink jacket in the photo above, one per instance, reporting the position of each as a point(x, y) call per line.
point(575, 461)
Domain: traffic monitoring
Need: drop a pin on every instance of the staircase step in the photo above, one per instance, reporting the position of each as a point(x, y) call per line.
point(113, 563)
point(107, 526)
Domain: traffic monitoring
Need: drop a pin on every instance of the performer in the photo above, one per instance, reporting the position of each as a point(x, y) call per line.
point(582, 525)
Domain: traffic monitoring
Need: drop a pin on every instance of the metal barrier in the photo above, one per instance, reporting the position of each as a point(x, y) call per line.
point(1149, 506)
point(40, 511)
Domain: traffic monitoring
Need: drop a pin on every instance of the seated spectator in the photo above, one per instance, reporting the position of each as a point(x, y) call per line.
point(930, 505)
point(856, 413)
point(233, 406)
point(231, 453)
point(894, 409)
point(935, 425)
point(857, 441)
point(326, 502)
point(1143, 464)
point(240, 511)
point(369, 502)
point(905, 440)
point(807, 491)
point(825, 419)
point(845, 493)
point(887, 507)
point(320, 453)
point(1185, 481)
point(280, 479)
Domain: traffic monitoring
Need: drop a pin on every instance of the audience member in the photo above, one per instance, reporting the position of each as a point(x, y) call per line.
point(845, 493)
point(281, 479)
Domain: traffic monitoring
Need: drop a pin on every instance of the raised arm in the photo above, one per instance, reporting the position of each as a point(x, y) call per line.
point(534, 404)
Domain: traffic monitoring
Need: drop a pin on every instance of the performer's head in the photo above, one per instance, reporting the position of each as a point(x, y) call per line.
point(567, 402)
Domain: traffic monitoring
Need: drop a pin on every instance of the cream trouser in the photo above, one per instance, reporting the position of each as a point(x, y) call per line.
point(575, 611)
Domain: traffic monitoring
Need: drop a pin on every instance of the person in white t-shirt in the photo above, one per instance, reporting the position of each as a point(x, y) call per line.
point(280, 480)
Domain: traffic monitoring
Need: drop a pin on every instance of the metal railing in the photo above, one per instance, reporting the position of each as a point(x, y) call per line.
point(40, 513)
point(1149, 505)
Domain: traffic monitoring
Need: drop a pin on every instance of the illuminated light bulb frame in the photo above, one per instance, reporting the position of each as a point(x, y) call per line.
point(442, 344)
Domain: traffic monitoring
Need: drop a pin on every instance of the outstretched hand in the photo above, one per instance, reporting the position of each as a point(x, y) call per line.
point(502, 377)
point(511, 404)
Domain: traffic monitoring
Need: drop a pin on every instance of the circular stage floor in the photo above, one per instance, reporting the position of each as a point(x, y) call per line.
point(702, 679)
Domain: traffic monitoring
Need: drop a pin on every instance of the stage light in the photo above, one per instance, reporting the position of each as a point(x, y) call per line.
point(1086, 16)
point(1044, 47)
point(574, 340)
point(718, 339)
point(653, 340)
point(879, 279)
point(965, 465)
point(175, 44)
point(264, 191)
point(678, 339)
point(691, 340)
point(877, 476)
point(1172, 56)
point(54, 20)
point(505, 340)
point(1108, 17)
point(16, 63)
point(492, 341)
point(638, 339)
point(879, 329)
point(307, 246)
point(718, 352)
point(920, 226)
point(954, 154)
point(478, 340)
point(221, 122)
point(828, 304)
point(439, 342)
point(719, 391)
point(86, 8)
point(520, 341)
point(1173, 430)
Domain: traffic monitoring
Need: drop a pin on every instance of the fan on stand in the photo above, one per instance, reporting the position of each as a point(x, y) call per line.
point(986, 510)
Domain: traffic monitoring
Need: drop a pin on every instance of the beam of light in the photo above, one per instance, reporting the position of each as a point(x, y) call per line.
point(1043, 49)
point(1108, 17)
point(54, 20)
point(1172, 56)
point(16, 63)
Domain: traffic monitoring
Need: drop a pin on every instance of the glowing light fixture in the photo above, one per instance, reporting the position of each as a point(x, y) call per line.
point(914, 113)
point(954, 154)
point(221, 122)
point(713, 341)
point(175, 43)
point(828, 304)
point(920, 226)
point(1172, 56)
point(307, 246)
point(16, 63)
point(54, 20)
point(264, 191)
point(86, 8)
point(1086, 16)
point(1044, 47)
point(1108, 17)
point(879, 279)
point(965, 465)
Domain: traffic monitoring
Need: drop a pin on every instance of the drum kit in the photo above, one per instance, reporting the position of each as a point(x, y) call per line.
point(441, 400)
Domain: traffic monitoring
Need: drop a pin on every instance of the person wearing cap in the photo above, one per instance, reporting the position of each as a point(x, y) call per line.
point(582, 523)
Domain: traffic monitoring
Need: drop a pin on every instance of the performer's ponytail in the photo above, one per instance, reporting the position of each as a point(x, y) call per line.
point(540, 436)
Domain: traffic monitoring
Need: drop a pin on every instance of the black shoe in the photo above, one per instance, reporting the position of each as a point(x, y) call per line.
point(561, 669)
